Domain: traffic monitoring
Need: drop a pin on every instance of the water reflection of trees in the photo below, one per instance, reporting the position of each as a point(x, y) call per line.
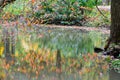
point(114, 75)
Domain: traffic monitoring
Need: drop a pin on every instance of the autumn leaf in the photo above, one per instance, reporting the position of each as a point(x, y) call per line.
point(33, 1)
point(1, 48)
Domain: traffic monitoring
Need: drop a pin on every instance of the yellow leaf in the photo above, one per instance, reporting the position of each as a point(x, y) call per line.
point(2, 75)
point(29, 23)
point(1, 48)
point(35, 46)
point(16, 54)
point(25, 45)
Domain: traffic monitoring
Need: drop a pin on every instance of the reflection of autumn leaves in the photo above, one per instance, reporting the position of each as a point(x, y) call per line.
point(37, 59)
point(2, 73)
point(93, 64)
point(1, 48)
point(29, 46)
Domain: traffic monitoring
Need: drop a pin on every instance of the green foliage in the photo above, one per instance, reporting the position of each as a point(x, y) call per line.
point(96, 19)
point(67, 12)
point(87, 3)
point(63, 12)
point(115, 64)
point(17, 8)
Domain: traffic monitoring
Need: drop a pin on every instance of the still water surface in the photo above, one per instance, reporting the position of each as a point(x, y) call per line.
point(112, 75)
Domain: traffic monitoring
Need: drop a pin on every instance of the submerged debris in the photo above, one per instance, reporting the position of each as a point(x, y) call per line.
point(114, 51)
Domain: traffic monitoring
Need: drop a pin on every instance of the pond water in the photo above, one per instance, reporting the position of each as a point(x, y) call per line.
point(70, 42)
point(67, 40)
point(114, 75)
point(111, 75)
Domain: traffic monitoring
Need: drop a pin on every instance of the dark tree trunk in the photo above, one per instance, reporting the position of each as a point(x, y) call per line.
point(115, 21)
point(1, 2)
point(5, 2)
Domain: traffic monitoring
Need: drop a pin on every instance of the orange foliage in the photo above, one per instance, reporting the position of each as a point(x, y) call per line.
point(33, 1)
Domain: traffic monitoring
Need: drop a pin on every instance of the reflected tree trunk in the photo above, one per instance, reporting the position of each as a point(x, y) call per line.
point(58, 59)
point(6, 42)
point(13, 40)
point(9, 37)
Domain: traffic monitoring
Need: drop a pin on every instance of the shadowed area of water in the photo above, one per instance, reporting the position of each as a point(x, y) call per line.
point(114, 75)
point(60, 76)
